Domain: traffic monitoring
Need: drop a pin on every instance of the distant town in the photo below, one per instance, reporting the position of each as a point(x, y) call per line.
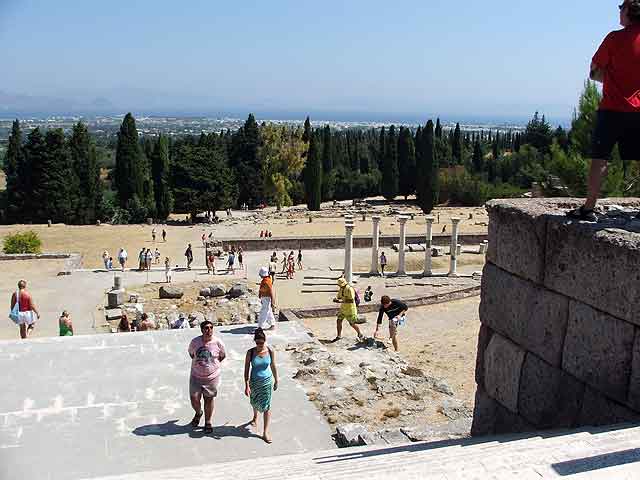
point(106, 127)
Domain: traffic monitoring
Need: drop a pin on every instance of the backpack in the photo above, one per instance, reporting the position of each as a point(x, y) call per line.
point(14, 314)
point(356, 297)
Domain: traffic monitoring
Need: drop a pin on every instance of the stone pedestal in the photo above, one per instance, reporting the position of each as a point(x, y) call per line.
point(402, 220)
point(115, 298)
point(454, 247)
point(375, 244)
point(428, 246)
point(348, 252)
point(117, 282)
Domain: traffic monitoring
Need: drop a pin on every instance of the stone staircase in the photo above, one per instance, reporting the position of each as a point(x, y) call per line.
point(611, 453)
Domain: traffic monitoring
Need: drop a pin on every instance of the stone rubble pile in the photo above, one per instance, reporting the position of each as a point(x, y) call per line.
point(348, 380)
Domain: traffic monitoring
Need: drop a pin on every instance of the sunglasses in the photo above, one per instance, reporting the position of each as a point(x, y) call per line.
point(622, 6)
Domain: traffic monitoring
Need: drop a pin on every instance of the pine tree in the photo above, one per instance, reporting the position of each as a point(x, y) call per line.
point(86, 174)
point(584, 119)
point(456, 146)
point(130, 164)
point(161, 176)
point(306, 135)
point(406, 162)
point(35, 150)
point(428, 187)
point(390, 173)
point(14, 165)
point(313, 175)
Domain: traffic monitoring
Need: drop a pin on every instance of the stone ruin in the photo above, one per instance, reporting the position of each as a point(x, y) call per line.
point(559, 345)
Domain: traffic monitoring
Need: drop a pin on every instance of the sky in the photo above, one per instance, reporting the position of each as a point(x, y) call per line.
point(422, 58)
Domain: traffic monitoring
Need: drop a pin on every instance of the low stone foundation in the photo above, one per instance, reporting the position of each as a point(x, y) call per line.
point(559, 345)
point(334, 242)
point(73, 261)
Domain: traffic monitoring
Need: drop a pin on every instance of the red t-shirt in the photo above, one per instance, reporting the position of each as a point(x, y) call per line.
point(619, 58)
point(25, 301)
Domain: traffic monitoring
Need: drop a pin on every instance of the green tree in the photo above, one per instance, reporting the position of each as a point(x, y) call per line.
point(427, 187)
point(15, 169)
point(130, 163)
point(406, 162)
point(584, 120)
point(456, 146)
point(313, 175)
point(327, 150)
point(538, 134)
point(390, 172)
point(160, 170)
point(35, 151)
point(247, 163)
point(438, 130)
point(478, 157)
point(54, 196)
point(86, 179)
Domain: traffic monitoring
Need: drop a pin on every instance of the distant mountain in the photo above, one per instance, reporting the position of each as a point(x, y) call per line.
point(18, 104)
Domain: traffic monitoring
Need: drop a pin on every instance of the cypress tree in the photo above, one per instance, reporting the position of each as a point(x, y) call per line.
point(35, 151)
point(327, 149)
point(160, 173)
point(406, 162)
point(130, 163)
point(363, 156)
point(428, 187)
point(313, 175)
point(382, 149)
point(438, 131)
point(390, 173)
point(456, 145)
point(249, 170)
point(14, 165)
point(53, 195)
point(87, 174)
point(306, 134)
point(478, 157)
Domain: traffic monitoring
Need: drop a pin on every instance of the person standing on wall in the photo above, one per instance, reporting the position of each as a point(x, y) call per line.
point(616, 65)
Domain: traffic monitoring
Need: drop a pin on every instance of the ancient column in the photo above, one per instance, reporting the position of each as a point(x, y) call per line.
point(401, 266)
point(375, 244)
point(428, 246)
point(348, 251)
point(454, 247)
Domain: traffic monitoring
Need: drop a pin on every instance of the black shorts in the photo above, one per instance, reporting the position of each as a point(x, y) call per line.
point(622, 128)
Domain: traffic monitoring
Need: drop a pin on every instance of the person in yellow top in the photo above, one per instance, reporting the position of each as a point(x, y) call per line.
point(348, 310)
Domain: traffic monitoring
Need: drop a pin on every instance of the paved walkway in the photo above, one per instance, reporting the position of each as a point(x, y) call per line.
point(96, 405)
point(597, 454)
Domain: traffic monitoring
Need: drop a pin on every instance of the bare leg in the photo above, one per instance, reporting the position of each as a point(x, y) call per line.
point(339, 328)
point(267, 420)
point(23, 330)
point(357, 329)
point(254, 420)
point(195, 402)
point(208, 410)
point(596, 173)
point(394, 340)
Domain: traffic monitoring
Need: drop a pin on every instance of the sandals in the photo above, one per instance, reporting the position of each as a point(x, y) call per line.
point(208, 428)
point(267, 439)
point(196, 419)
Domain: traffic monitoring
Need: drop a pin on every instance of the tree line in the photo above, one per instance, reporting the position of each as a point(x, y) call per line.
point(53, 176)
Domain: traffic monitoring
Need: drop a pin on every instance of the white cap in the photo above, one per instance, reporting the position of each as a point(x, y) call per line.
point(264, 272)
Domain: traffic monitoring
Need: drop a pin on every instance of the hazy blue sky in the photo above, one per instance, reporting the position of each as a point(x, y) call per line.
point(468, 57)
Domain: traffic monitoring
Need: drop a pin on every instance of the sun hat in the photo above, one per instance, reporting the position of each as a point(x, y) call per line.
point(342, 282)
point(264, 272)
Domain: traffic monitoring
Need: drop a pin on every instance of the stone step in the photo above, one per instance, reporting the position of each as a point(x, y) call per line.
point(501, 457)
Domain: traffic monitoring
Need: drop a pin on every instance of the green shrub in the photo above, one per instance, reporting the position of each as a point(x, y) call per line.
point(23, 242)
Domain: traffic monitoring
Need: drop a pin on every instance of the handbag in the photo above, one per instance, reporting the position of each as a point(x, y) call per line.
point(15, 311)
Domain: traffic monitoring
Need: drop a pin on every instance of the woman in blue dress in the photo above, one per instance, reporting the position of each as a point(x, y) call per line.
point(260, 380)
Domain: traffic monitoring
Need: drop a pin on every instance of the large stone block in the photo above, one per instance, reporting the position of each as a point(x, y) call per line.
point(598, 350)
point(634, 384)
point(528, 314)
point(599, 410)
point(548, 397)
point(517, 234)
point(598, 266)
point(491, 418)
point(502, 367)
point(484, 337)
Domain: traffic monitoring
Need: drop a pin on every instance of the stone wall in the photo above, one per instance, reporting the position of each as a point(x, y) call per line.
point(559, 342)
